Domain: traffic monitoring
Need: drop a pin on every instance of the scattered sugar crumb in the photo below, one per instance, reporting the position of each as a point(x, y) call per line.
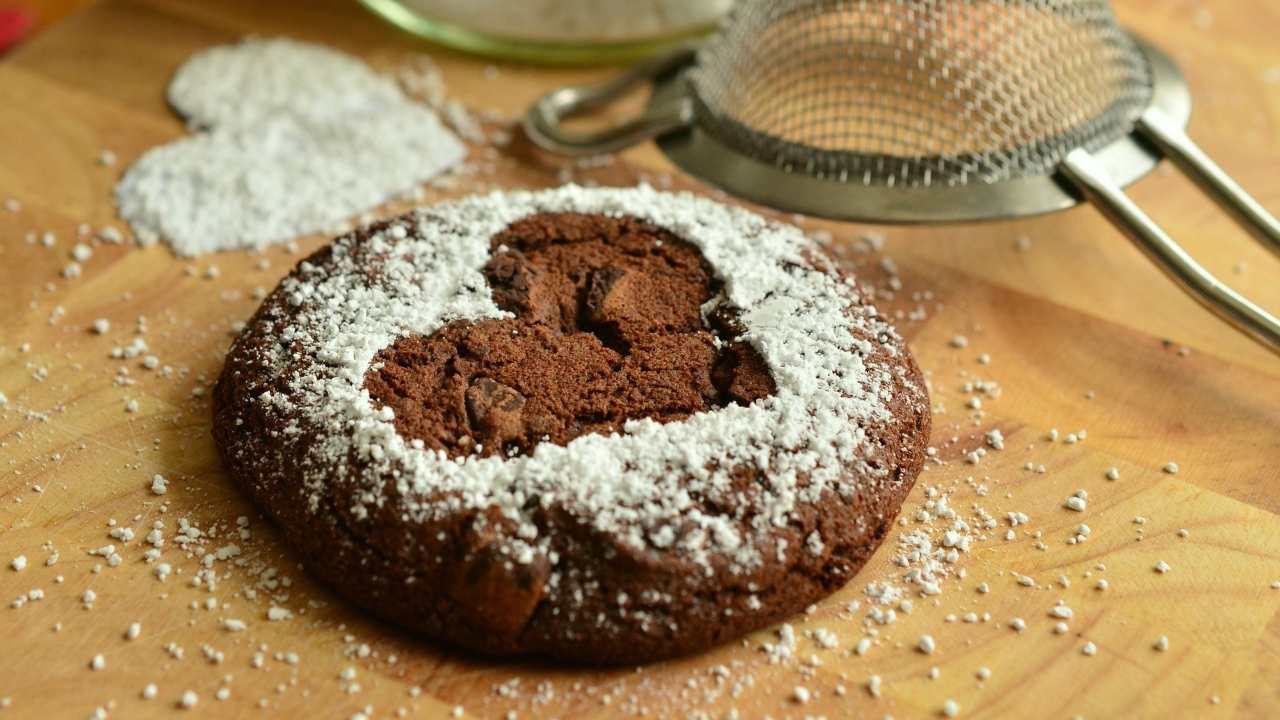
point(926, 644)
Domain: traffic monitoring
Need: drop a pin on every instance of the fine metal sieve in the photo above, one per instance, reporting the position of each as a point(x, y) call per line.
point(927, 111)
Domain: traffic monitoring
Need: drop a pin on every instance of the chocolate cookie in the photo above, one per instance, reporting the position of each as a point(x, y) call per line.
point(596, 425)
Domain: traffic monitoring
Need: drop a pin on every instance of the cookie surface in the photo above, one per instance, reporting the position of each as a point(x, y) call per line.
point(596, 425)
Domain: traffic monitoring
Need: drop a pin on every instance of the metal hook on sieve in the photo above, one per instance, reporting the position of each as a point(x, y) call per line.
point(543, 123)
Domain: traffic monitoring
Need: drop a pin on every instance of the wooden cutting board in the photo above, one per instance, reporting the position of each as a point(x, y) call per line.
point(1080, 332)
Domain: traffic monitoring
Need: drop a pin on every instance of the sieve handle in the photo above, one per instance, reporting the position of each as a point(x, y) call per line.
point(543, 121)
point(1086, 173)
point(1174, 143)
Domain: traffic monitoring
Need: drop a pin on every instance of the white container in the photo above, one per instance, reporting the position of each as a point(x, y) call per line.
point(575, 31)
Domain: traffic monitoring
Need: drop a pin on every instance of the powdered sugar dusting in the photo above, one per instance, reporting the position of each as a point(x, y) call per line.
point(252, 81)
point(641, 485)
point(301, 138)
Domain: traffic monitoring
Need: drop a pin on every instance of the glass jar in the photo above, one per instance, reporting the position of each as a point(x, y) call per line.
point(555, 31)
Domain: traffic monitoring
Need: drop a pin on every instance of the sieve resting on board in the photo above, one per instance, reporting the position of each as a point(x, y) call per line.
point(918, 111)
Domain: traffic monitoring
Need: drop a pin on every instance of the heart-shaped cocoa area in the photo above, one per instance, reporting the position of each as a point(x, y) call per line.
point(608, 328)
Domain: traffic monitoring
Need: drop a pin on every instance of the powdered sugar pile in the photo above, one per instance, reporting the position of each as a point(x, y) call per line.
point(641, 485)
point(299, 138)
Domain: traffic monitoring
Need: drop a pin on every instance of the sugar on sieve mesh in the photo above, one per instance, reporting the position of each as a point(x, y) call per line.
point(926, 111)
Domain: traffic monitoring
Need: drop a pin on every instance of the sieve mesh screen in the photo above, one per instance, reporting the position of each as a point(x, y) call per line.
point(919, 92)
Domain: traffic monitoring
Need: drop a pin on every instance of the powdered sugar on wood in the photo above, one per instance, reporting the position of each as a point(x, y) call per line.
point(295, 139)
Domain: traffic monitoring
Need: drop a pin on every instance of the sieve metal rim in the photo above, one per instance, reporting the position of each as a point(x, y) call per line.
point(709, 158)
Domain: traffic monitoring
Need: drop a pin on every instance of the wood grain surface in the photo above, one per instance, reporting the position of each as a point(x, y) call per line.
point(1081, 334)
